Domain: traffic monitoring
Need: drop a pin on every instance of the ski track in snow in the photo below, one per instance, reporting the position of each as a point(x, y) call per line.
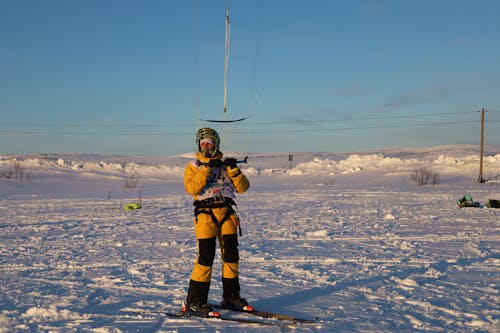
point(372, 258)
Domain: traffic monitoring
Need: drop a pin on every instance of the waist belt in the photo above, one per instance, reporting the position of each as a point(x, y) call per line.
point(214, 203)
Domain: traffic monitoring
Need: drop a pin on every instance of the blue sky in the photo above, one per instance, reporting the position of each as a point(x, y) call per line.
point(135, 77)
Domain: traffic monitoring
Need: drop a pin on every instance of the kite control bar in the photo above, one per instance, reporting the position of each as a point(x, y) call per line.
point(198, 162)
point(243, 160)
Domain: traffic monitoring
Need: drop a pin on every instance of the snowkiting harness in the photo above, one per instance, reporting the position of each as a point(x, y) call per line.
point(206, 206)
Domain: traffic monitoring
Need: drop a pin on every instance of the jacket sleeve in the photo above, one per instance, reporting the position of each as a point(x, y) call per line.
point(195, 178)
point(240, 181)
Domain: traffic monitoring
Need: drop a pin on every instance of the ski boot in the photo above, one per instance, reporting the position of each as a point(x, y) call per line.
point(231, 296)
point(197, 301)
point(239, 304)
point(199, 310)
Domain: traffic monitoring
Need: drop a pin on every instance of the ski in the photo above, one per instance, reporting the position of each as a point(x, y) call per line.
point(193, 315)
point(269, 315)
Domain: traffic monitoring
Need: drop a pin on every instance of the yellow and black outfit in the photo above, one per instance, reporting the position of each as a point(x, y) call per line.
point(213, 186)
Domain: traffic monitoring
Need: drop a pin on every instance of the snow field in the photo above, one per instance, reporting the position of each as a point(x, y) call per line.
point(371, 253)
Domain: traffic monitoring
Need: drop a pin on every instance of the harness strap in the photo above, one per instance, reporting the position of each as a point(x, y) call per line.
point(206, 206)
point(209, 211)
point(214, 203)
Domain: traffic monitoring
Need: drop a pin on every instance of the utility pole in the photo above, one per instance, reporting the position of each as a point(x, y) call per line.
point(481, 179)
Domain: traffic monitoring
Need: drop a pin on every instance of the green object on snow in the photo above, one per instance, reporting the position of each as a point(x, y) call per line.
point(132, 206)
point(466, 201)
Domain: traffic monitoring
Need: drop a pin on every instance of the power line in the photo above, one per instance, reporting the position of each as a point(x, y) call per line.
point(91, 133)
point(364, 127)
point(26, 132)
point(276, 122)
point(91, 125)
point(138, 129)
point(362, 119)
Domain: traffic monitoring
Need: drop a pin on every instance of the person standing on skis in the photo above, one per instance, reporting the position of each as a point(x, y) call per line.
point(213, 183)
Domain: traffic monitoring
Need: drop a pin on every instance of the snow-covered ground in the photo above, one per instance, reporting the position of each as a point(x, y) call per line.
point(347, 237)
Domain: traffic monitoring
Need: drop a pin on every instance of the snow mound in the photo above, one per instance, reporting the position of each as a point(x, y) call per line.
point(449, 159)
point(37, 314)
point(356, 163)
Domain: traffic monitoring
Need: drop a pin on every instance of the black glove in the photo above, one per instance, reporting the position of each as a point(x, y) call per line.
point(230, 162)
point(215, 163)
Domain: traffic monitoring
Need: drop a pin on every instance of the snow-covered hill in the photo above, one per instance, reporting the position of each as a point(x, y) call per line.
point(347, 237)
point(93, 174)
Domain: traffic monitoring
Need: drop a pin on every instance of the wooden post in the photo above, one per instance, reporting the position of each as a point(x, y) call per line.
point(481, 179)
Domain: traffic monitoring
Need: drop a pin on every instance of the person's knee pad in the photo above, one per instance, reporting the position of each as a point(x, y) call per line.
point(231, 248)
point(206, 254)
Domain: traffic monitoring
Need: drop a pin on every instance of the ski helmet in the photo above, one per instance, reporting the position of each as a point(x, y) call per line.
point(211, 134)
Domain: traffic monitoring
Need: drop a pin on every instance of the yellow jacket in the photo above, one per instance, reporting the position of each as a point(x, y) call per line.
point(204, 182)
